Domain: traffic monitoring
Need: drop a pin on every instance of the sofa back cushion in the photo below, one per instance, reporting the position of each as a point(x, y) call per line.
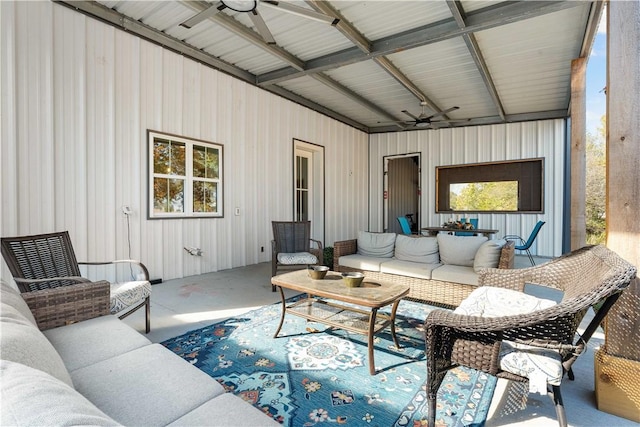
point(24, 343)
point(459, 250)
point(376, 244)
point(33, 398)
point(488, 255)
point(417, 249)
point(11, 296)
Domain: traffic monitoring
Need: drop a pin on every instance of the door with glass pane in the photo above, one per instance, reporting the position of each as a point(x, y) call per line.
point(303, 184)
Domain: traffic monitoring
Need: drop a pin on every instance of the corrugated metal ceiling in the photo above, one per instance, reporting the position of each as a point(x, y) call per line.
point(497, 61)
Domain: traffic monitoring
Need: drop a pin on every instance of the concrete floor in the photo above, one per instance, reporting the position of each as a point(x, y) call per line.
point(181, 305)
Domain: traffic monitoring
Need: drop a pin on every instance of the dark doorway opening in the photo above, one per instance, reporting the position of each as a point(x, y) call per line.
point(401, 191)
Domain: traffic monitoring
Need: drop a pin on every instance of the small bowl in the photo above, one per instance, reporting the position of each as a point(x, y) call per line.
point(352, 279)
point(317, 272)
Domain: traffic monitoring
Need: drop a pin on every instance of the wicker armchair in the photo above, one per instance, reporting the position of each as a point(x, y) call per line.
point(291, 247)
point(48, 261)
point(591, 276)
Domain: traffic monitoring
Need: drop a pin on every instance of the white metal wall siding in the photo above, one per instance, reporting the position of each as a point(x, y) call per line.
point(475, 145)
point(78, 98)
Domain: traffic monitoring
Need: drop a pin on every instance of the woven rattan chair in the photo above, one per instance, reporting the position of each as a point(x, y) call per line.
point(291, 247)
point(48, 261)
point(591, 276)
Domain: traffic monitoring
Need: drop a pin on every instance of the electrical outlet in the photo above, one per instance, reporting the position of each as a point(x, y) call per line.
point(261, 248)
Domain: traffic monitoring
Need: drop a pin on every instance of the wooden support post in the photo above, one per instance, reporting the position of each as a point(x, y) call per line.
point(618, 363)
point(578, 153)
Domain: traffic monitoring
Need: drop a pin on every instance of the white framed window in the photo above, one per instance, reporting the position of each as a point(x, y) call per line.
point(185, 177)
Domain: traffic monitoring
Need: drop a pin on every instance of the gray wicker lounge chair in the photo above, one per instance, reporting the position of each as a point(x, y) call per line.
point(593, 276)
point(292, 247)
point(47, 261)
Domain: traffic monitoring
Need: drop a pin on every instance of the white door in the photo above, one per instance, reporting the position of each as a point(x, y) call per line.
point(308, 172)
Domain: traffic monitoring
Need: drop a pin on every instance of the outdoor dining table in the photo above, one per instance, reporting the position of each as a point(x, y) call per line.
point(432, 231)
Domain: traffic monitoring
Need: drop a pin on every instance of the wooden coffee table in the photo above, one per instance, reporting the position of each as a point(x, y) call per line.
point(364, 319)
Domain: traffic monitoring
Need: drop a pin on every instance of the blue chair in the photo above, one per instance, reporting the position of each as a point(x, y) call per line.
point(404, 224)
point(523, 245)
point(473, 221)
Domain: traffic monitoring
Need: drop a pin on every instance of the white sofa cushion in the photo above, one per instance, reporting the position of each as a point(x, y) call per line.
point(24, 343)
point(408, 268)
point(85, 343)
point(455, 274)
point(223, 411)
point(488, 254)
point(417, 249)
point(459, 250)
point(146, 386)
point(376, 244)
point(12, 297)
point(542, 366)
point(31, 397)
point(361, 262)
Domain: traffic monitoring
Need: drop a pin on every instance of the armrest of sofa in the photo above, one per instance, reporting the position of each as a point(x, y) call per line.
point(68, 304)
point(342, 248)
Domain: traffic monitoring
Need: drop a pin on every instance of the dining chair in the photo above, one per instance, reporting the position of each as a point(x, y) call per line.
point(47, 261)
point(500, 330)
point(292, 247)
point(525, 245)
point(404, 225)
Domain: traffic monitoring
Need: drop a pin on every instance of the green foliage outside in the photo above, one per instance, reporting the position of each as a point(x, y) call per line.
point(596, 185)
point(486, 196)
point(327, 255)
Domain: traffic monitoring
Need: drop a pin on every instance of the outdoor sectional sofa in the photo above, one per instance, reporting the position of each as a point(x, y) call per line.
point(442, 270)
point(67, 361)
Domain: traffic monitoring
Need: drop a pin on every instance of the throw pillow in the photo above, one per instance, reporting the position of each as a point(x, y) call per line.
point(376, 244)
point(459, 250)
point(12, 297)
point(488, 255)
point(417, 249)
point(490, 301)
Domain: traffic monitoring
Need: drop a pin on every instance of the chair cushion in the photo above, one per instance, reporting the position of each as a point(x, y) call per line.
point(31, 397)
point(459, 250)
point(417, 249)
point(541, 366)
point(488, 254)
point(455, 274)
point(297, 258)
point(376, 244)
point(128, 294)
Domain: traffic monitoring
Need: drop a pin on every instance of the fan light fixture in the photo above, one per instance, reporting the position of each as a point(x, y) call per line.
point(240, 5)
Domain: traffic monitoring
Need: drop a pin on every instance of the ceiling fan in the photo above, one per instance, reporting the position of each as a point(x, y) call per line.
point(251, 7)
point(426, 121)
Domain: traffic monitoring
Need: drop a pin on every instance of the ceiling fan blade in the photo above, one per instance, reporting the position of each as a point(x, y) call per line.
point(301, 11)
point(411, 115)
point(261, 26)
point(201, 16)
point(442, 113)
point(451, 121)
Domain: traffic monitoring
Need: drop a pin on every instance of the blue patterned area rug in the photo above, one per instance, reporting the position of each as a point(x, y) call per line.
point(314, 375)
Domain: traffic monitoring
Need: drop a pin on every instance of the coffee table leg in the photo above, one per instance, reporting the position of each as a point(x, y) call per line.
point(372, 325)
point(393, 323)
point(284, 310)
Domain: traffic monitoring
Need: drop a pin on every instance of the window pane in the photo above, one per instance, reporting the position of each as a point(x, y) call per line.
point(168, 157)
point(205, 196)
point(168, 195)
point(302, 173)
point(206, 163)
point(484, 196)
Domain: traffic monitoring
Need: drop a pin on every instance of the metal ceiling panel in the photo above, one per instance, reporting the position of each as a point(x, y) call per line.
point(497, 60)
point(531, 69)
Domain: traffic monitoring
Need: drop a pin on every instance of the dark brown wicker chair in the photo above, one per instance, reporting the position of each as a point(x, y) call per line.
point(48, 261)
point(291, 247)
point(593, 276)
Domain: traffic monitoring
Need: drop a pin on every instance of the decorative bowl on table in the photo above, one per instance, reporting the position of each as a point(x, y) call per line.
point(352, 279)
point(317, 272)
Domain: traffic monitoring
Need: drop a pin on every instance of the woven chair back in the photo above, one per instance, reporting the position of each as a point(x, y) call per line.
point(292, 236)
point(40, 256)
